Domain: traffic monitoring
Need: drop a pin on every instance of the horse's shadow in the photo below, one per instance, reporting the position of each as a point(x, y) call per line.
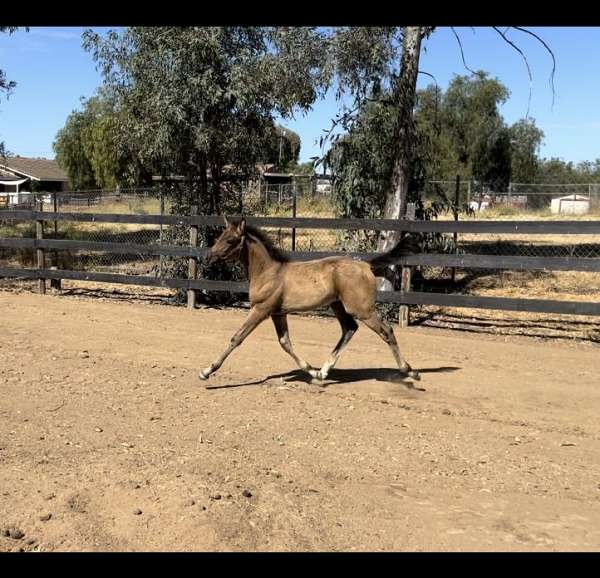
point(339, 376)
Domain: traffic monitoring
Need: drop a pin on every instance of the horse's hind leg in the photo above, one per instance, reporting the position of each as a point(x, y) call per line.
point(385, 331)
point(349, 327)
point(281, 326)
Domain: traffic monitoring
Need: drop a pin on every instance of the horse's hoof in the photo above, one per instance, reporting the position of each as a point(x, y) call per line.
point(203, 376)
point(415, 375)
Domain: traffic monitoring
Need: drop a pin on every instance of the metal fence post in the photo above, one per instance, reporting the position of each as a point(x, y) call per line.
point(192, 262)
point(404, 311)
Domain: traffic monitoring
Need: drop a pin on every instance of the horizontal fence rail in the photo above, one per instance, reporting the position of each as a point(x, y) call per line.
point(465, 261)
point(418, 259)
point(488, 227)
point(403, 298)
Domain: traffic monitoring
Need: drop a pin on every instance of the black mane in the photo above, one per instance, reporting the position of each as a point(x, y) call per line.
point(275, 253)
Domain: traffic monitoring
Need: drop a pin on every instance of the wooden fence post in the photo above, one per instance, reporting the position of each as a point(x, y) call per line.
point(161, 258)
point(55, 283)
point(404, 311)
point(295, 191)
point(41, 258)
point(455, 211)
point(192, 262)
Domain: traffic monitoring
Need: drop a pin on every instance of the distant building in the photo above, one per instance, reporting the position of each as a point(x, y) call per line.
point(570, 205)
point(267, 177)
point(21, 176)
point(323, 184)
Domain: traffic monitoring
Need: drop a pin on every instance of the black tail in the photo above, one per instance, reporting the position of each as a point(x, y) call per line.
point(407, 245)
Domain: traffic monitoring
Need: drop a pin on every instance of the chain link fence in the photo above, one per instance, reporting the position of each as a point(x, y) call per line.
point(462, 199)
point(556, 201)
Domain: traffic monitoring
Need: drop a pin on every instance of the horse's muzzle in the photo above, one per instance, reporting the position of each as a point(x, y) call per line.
point(210, 258)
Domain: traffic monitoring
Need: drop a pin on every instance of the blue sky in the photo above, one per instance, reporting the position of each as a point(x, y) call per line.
point(53, 71)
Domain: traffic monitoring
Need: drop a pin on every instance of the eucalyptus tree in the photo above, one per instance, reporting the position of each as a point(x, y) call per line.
point(200, 101)
point(371, 61)
point(70, 151)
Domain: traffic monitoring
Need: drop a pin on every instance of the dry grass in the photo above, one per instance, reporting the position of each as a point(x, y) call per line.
point(141, 206)
point(508, 213)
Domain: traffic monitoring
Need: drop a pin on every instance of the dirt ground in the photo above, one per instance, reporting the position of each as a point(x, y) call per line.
point(108, 441)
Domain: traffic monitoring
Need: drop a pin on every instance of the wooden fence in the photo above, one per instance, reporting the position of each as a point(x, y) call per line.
point(403, 297)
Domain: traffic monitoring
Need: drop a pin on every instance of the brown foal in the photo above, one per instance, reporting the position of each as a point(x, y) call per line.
point(279, 286)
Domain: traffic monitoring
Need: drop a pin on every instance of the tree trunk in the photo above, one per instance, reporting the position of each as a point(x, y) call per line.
point(404, 93)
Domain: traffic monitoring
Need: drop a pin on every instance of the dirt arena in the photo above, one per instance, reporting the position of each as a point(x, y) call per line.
point(108, 440)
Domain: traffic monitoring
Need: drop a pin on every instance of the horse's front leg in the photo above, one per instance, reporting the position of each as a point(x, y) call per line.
point(255, 317)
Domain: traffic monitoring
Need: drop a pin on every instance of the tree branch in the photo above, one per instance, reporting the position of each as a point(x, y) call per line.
point(461, 50)
point(551, 54)
point(429, 74)
point(526, 64)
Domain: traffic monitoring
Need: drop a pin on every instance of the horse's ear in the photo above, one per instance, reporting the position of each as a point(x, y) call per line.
point(242, 226)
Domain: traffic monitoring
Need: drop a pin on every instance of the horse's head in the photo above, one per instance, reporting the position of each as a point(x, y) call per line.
point(228, 247)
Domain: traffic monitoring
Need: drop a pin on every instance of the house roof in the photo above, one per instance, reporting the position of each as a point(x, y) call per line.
point(6, 176)
point(37, 169)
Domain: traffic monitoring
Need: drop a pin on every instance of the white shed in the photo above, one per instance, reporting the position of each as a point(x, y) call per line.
point(570, 205)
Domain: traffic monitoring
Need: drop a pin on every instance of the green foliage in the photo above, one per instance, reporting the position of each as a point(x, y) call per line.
point(200, 101)
point(555, 170)
point(361, 162)
point(525, 140)
point(70, 150)
point(469, 113)
point(464, 131)
point(283, 147)
point(364, 59)
point(492, 160)
point(460, 131)
point(588, 171)
point(306, 168)
point(88, 148)
point(6, 86)
point(101, 152)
